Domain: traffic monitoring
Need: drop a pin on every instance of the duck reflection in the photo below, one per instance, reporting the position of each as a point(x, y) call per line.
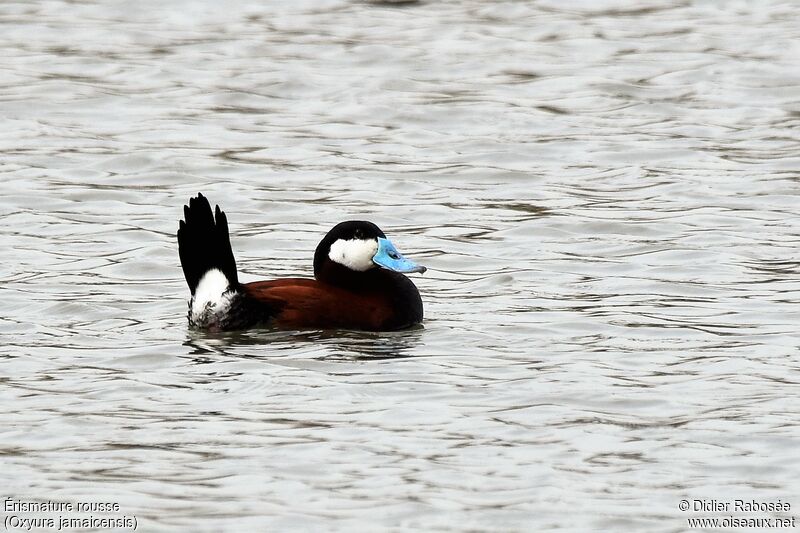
point(328, 345)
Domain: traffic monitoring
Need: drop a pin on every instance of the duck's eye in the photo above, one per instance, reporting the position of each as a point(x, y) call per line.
point(359, 234)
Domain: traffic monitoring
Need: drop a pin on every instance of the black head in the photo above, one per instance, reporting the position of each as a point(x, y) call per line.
point(352, 230)
point(359, 236)
point(356, 247)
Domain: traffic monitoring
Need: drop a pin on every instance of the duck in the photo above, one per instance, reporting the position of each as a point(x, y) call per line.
point(359, 282)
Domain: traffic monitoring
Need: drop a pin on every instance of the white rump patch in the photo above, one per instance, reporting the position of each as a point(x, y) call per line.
point(355, 254)
point(211, 299)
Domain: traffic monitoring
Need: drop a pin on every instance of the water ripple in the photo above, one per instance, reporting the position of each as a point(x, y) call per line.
point(605, 195)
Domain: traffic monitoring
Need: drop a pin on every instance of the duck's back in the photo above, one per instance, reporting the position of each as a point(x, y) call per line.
point(308, 303)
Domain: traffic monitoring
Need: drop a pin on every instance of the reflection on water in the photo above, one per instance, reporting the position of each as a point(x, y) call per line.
point(605, 193)
point(325, 344)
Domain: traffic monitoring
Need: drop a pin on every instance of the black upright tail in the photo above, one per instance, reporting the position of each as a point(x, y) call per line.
point(204, 244)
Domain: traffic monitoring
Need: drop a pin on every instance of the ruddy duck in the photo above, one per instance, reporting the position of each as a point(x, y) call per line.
point(359, 281)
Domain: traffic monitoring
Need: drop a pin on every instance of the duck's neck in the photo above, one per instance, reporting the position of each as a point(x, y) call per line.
point(335, 274)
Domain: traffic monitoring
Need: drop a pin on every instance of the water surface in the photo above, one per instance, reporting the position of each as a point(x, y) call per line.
point(605, 195)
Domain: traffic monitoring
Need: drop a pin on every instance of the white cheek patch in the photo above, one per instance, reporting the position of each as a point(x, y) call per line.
point(355, 254)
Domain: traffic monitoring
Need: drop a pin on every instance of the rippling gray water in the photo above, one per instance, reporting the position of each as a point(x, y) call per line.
point(606, 195)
